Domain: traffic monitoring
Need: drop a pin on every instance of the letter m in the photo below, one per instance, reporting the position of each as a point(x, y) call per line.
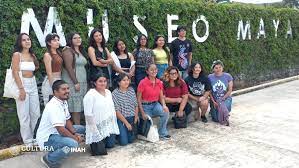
point(28, 18)
point(244, 31)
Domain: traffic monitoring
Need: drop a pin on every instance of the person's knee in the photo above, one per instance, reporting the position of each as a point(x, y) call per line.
point(72, 143)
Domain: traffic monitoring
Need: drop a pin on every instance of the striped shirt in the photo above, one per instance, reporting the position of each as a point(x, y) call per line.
point(125, 102)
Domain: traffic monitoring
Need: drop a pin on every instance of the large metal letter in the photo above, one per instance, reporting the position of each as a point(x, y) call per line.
point(289, 31)
point(139, 26)
point(276, 23)
point(261, 30)
point(171, 27)
point(203, 38)
point(244, 31)
point(53, 19)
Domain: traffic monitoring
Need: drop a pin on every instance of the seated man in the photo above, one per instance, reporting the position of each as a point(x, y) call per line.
point(56, 132)
point(176, 92)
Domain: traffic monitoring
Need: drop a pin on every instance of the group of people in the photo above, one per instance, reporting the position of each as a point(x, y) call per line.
point(146, 82)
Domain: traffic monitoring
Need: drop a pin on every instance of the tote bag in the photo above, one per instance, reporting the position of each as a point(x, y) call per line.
point(11, 90)
point(152, 135)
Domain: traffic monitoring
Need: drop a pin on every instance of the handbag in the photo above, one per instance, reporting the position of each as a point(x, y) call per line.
point(11, 89)
point(180, 122)
point(143, 127)
point(98, 148)
point(152, 135)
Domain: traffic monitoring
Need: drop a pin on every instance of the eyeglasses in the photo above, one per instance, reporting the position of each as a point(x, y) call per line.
point(173, 73)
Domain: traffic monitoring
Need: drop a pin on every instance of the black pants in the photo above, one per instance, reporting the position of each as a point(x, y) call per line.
point(176, 107)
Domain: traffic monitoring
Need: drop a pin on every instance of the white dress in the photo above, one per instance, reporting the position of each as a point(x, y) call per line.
point(100, 116)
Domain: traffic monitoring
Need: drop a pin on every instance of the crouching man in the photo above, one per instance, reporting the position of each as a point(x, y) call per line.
point(56, 133)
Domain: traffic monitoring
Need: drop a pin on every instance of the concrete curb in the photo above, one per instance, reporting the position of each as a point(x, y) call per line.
point(11, 152)
point(17, 150)
point(265, 85)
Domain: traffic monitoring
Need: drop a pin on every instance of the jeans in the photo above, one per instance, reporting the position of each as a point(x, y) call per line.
point(61, 145)
point(161, 69)
point(110, 141)
point(155, 109)
point(28, 110)
point(176, 107)
point(140, 73)
point(125, 136)
point(214, 112)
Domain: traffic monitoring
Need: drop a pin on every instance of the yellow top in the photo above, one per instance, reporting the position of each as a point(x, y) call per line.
point(160, 56)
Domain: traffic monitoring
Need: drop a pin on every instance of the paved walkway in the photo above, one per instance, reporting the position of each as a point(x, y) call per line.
point(264, 132)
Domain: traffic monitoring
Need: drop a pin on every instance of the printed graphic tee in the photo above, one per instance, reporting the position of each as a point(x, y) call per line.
point(219, 84)
point(198, 86)
point(180, 50)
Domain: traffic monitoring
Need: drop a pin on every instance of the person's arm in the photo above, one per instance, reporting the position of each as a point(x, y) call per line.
point(190, 58)
point(68, 60)
point(182, 105)
point(132, 69)
point(66, 133)
point(172, 100)
point(35, 61)
point(205, 96)
point(139, 100)
point(92, 56)
point(162, 101)
point(229, 91)
point(48, 66)
point(123, 120)
point(15, 72)
point(213, 100)
point(193, 97)
point(109, 58)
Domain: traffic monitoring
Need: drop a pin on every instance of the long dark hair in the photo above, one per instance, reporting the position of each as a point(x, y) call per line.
point(93, 43)
point(164, 47)
point(49, 38)
point(116, 50)
point(191, 68)
point(138, 45)
point(69, 42)
point(166, 82)
point(18, 48)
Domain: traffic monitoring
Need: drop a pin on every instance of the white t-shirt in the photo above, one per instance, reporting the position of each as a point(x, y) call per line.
point(56, 113)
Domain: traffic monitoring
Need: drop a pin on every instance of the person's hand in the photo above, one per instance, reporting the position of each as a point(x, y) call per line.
point(22, 94)
point(79, 138)
point(179, 100)
point(165, 109)
point(180, 113)
point(222, 98)
point(110, 61)
point(129, 126)
point(215, 105)
point(136, 119)
point(132, 74)
point(77, 87)
point(144, 116)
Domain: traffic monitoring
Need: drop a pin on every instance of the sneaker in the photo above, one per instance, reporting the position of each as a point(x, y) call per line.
point(47, 163)
point(166, 137)
point(204, 119)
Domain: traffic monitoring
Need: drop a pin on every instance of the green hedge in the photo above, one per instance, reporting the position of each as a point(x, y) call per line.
point(250, 61)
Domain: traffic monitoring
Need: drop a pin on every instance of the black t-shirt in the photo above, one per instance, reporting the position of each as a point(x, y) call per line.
point(180, 50)
point(198, 86)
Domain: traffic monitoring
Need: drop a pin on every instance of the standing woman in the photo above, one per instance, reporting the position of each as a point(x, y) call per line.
point(74, 73)
point(124, 61)
point(199, 89)
point(99, 55)
point(162, 56)
point(222, 87)
point(99, 111)
point(28, 109)
point(149, 93)
point(53, 64)
point(143, 56)
point(125, 102)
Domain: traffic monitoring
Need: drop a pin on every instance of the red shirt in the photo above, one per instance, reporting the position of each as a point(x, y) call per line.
point(177, 91)
point(149, 91)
